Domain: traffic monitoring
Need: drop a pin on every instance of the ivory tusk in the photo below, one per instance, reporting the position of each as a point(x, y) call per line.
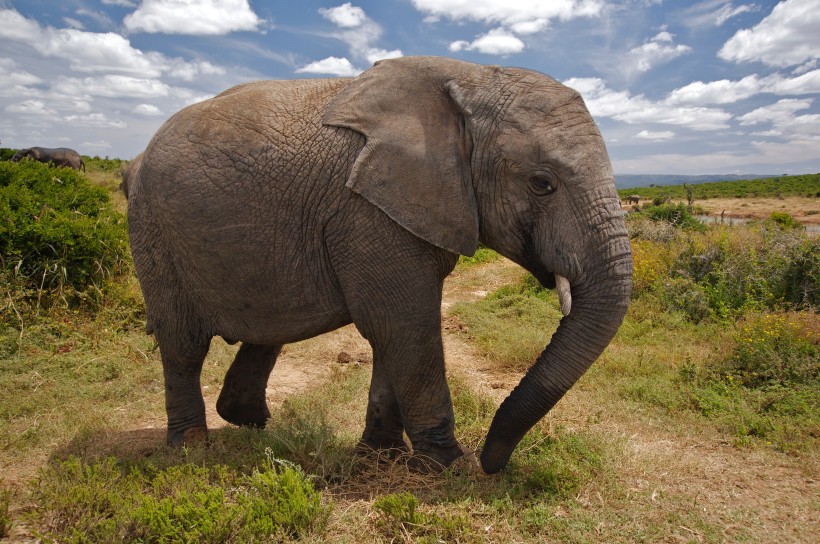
point(564, 294)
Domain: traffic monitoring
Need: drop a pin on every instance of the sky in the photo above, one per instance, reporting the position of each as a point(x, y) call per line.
point(701, 87)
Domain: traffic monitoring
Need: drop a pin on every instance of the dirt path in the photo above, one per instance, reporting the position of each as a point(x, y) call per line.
point(745, 492)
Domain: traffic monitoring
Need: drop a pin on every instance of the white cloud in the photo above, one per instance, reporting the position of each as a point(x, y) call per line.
point(123, 3)
point(345, 16)
point(658, 50)
point(196, 17)
point(113, 86)
point(661, 135)
point(515, 17)
point(726, 91)
point(95, 120)
point(104, 52)
point(509, 12)
point(495, 42)
point(147, 110)
point(786, 37)
point(622, 106)
point(713, 13)
point(723, 91)
point(332, 66)
point(776, 113)
point(31, 107)
point(11, 75)
point(360, 33)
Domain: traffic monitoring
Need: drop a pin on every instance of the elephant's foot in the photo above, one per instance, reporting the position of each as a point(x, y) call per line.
point(432, 460)
point(243, 410)
point(189, 437)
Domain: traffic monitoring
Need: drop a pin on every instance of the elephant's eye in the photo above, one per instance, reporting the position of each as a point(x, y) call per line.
point(543, 184)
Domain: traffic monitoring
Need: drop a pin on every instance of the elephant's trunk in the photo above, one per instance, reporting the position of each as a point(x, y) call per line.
point(599, 304)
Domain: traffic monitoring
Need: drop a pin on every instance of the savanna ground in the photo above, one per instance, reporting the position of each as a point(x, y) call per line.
point(699, 423)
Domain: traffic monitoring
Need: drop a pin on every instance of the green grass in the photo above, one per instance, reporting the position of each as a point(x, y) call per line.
point(806, 185)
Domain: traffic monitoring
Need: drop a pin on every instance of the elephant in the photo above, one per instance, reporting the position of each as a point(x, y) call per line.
point(633, 199)
point(60, 156)
point(280, 210)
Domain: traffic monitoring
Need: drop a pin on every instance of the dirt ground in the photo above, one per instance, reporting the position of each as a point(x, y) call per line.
point(805, 210)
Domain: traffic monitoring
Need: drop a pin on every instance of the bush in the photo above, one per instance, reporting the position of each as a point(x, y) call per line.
point(674, 214)
point(784, 220)
point(106, 501)
point(776, 349)
point(58, 233)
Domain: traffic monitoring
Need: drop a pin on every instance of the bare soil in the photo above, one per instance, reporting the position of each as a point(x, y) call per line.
point(805, 210)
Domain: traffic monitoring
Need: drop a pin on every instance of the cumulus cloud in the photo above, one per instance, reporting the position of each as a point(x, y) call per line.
point(334, 66)
point(113, 86)
point(31, 107)
point(495, 42)
point(658, 50)
point(777, 113)
point(147, 110)
point(726, 91)
point(511, 18)
point(359, 32)
point(11, 75)
point(634, 109)
point(104, 52)
point(660, 136)
point(786, 37)
point(95, 120)
point(196, 17)
point(510, 12)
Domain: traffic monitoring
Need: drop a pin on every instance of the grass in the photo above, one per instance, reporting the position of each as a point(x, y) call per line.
point(670, 436)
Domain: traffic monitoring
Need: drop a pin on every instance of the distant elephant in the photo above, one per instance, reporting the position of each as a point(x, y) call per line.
point(633, 199)
point(280, 210)
point(60, 156)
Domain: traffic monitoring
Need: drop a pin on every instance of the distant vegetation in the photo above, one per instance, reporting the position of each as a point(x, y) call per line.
point(806, 185)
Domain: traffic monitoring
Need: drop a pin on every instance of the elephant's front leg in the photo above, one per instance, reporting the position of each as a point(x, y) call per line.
point(242, 399)
point(383, 426)
point(413, 358)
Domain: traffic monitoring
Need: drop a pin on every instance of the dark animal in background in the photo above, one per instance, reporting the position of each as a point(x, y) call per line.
point(280, 210)
point(59, 156)
point(633, 199)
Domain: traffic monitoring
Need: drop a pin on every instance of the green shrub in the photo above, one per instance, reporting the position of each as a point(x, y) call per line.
point(776, 349)
point(674, 214)
point(58, 234)
point(106, 501)
point(784, 220)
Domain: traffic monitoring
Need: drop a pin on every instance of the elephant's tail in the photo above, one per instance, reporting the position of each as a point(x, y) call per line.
point(82, 163)
point(129, 176)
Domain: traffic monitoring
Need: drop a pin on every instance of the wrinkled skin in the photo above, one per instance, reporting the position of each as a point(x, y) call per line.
point(60, 156)
point(280, 210)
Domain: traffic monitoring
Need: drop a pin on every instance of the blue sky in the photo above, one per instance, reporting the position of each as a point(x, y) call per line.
point(709, 87)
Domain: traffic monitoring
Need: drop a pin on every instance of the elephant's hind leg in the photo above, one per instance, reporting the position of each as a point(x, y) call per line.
point(182, 358)
point(242, 400)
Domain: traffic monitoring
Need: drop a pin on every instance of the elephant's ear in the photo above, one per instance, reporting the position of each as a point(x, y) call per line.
point(415, 165)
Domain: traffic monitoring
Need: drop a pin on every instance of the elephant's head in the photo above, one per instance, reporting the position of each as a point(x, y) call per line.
point(460, 153)
point(26, 153)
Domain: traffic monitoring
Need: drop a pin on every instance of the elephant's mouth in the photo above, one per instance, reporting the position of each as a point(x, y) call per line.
point(551, 280)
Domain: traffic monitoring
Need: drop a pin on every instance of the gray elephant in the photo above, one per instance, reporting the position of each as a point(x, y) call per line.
point(60, 156)
point(633, 199)
point(280, 210)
